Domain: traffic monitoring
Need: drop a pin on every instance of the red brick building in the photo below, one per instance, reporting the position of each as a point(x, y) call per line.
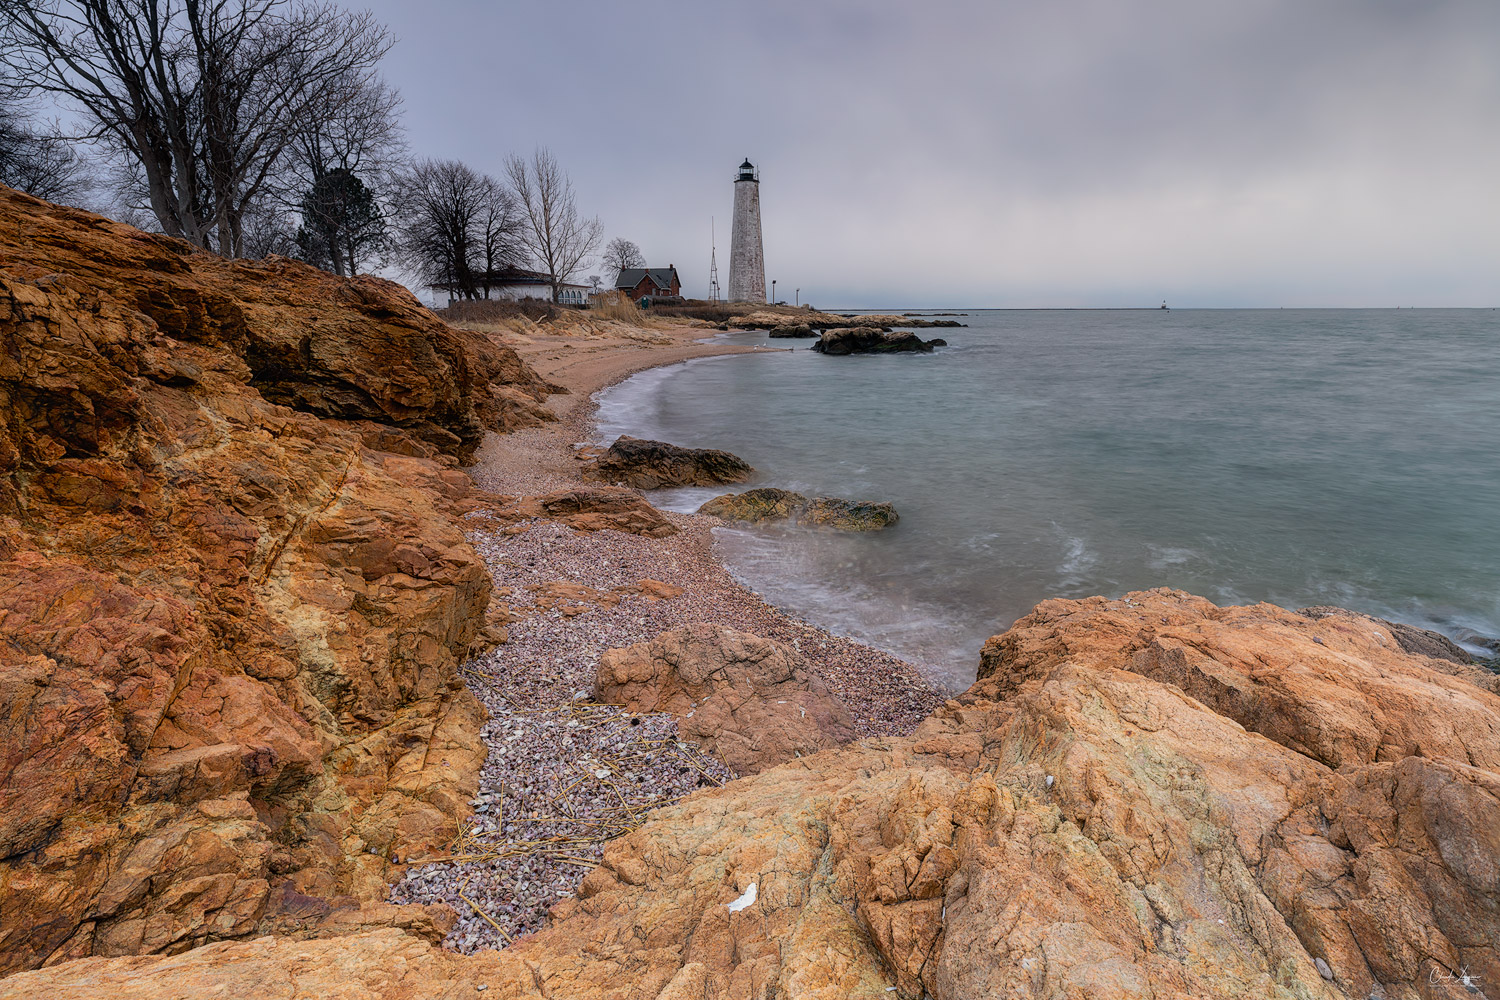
point(656, 282)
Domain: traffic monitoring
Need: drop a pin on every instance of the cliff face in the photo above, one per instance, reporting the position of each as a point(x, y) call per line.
point(354, 349)
point(1321, 821)
point(229, 627)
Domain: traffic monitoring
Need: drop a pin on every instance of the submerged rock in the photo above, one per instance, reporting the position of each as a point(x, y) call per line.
point(769, 504)
point(872, 340)
point(749, 701)
point(650, 465)
point(919, 323)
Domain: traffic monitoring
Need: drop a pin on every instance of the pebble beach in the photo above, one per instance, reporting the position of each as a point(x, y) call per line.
point(565, 774)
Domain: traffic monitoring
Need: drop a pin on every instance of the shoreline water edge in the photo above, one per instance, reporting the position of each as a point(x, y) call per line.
point(561, 767)
point(1211, 491)
point(498, 883)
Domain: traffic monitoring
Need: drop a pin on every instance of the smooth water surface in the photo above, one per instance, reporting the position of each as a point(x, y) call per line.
point(1347, 457)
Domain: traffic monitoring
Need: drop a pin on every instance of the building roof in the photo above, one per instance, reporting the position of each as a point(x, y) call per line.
point(661, 277)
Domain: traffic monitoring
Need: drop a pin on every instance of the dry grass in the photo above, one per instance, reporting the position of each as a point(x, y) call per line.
point(708, 312)
point(495, 311)
point(617, 306)
point(527, 318)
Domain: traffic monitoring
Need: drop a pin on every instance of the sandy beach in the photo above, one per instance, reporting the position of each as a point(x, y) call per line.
point(540, 458)
point(565, 774)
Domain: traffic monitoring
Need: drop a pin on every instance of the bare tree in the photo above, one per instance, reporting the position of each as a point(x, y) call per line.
point(455, 226)
point(354, 124)
point(619, 254)
point(39, 163)
point(556, 235)
point(268, 229)
point(204, 96)
point(499, 229)
point(33, 158)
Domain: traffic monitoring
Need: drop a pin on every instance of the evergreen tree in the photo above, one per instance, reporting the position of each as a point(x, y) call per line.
point(343, 230)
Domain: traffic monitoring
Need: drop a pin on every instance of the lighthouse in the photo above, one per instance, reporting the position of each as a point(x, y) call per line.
point(747, 265)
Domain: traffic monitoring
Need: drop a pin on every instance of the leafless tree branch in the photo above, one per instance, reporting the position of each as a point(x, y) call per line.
point(558, 238)
point(206, 96)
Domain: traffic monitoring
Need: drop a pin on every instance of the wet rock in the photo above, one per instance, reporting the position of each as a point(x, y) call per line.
point(849, 515)
point(768, 503)
point(920, 323)
point(749, 701)
point(649, 465)
point(764, 504)
point(793, 330)
point(871, 340)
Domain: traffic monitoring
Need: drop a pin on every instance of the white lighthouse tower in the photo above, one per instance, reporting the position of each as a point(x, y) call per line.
point(747, 265)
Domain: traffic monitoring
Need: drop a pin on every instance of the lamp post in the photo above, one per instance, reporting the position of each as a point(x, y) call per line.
point(797, 299)
point(773, 291)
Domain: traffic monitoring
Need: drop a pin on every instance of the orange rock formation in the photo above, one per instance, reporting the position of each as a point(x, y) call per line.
point(228, 633)
point(228, 628)
point(749, 701)
point(1323, 824)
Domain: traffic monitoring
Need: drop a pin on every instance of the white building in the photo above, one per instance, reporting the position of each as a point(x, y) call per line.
point(515, 283)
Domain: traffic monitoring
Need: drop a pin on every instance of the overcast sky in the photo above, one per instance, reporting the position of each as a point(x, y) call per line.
point(1003, 153)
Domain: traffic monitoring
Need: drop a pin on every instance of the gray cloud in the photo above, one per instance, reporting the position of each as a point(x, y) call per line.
point(1080, 152)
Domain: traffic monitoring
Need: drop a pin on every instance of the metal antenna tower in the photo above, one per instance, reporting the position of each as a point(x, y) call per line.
point(713, 262)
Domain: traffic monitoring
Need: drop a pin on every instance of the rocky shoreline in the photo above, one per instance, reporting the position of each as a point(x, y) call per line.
point(275, 669)
point(553, 751)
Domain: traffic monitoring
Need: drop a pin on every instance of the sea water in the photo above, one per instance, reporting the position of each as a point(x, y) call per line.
point(1346, 457)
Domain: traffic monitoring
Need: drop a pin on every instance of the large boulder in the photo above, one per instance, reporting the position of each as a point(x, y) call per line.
point(749, 701)
point(375, 965)
point(872, 340)
point(1077, 824)
point(764, 504)
point(650, 465)
point(229, 628)
point(1339, 688)
point(595, 508)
